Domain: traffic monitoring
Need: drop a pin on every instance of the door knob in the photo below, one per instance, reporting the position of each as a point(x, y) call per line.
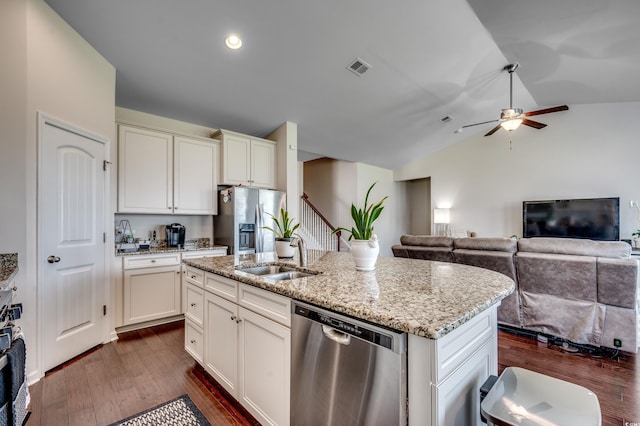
point(53, 259)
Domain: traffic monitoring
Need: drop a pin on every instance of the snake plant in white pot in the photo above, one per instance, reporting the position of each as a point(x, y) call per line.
point(284, 229)
point(364, 243)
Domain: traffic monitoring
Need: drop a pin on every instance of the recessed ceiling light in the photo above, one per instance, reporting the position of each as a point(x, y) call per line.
point(233, 41)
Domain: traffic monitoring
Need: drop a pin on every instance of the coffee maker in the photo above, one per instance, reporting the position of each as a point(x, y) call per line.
point(175, 235)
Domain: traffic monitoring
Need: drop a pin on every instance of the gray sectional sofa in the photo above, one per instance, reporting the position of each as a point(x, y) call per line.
point(581, 290)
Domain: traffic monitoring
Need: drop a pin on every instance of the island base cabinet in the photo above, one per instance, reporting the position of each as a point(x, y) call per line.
point(264, 368)
point(194, 341)
point(456, 401)
point(445, 375)
point(249, 356)
point(221, 341)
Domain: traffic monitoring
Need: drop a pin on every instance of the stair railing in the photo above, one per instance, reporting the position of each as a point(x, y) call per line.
point(318, 227)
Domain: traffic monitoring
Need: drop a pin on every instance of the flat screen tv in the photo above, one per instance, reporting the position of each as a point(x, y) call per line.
point(592, 218)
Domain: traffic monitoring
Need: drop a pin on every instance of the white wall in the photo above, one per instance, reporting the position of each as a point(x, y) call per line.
point(588, 151)
point(334, 185)
point(49, 68)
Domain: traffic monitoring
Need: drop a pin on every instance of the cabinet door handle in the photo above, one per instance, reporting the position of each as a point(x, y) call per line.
point(153, 261)
point(193, 277)
point(169, 207)
point(175, 208)
point(193, 341)
point(238, 321)
point(193, 305)
point(233, 317)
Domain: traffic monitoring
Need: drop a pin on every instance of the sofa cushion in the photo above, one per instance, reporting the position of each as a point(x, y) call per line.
point(399, 251)
point(617, 282)
point(509, 245)
point(441, 254)
point(426, 241)
point(611, 249)
point(561, 275)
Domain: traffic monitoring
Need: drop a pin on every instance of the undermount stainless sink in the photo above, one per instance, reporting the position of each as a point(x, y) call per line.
point(289, 275)
point(277, 272)
point(268, 269)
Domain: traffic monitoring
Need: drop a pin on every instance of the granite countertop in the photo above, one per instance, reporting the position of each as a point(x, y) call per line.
point(420, 297)
point(162, 250)
point(8, 267)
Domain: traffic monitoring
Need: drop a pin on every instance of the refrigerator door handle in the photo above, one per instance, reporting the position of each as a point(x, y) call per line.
point(259, 232)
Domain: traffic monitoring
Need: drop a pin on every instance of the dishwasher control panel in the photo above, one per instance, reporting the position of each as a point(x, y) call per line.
point(362, 331)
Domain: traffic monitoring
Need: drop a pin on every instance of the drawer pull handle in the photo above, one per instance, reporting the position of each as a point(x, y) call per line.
point(193, 305)
point(193, 341)
point(153, 261)
point(193, 277)
point(238, 321)
point(233, 317)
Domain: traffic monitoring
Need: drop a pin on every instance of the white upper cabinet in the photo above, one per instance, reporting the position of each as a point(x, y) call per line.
point(247, 160)
point(162, 173)
point(145, 171)
point(194, 176)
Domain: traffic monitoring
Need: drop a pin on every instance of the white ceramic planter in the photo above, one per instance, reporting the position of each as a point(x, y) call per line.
point(284, 249)
point(365, 253)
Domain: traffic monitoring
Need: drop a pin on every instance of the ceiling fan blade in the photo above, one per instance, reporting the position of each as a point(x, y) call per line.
point(546, 110)
point(477, 124)
point(495, 129)
point(532, 123)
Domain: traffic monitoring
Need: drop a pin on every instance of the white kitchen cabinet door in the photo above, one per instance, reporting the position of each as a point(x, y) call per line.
point(151, 293)
point(145, 171)
point(247, 160)
point(263, 163)
point(236, 152)
point(265, 368)
point(195, 176)
point(221, 341)
point(457, 399)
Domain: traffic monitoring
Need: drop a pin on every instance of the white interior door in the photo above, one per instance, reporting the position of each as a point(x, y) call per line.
point(71, 260)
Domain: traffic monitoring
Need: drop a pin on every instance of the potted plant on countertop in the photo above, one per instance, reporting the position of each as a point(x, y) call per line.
point(364, 243)
point(284, 230)
point(636, 239)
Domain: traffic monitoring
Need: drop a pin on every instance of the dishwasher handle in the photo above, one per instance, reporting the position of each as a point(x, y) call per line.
point(335, 335)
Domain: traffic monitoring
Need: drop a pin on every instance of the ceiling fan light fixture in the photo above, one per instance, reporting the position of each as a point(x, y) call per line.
point(512, 124)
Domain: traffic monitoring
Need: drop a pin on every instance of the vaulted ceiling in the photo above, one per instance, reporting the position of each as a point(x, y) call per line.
point(429, 60)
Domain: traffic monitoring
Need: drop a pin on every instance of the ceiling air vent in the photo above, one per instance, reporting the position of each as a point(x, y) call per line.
point(358, 67)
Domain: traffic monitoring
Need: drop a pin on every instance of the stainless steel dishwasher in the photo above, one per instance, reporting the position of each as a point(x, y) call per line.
point(345, 371)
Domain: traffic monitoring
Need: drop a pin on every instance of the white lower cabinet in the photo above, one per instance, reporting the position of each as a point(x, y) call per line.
point(264, 368)
point(151, 293)
point(246, 348)
point(221, 341)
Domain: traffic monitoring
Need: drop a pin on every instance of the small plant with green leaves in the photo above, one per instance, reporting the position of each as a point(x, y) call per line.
point(363, 218)
point(285, 227)
point(636, 234)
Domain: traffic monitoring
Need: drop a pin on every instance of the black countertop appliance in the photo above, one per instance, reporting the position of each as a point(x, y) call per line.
point(175, 235)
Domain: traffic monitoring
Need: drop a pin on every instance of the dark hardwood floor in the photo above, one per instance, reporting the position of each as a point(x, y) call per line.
point(140, 370)
point(147, 367)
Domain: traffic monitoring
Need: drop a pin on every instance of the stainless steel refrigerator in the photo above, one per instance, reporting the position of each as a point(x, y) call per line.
point(242, 212)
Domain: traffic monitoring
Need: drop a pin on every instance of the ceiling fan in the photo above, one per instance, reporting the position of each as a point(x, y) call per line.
point(511, 118)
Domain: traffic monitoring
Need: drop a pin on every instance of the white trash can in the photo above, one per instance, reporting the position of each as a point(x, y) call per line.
point(523, 397)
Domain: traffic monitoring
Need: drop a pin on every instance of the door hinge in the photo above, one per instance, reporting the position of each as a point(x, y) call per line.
point(104, 164)
point(104, 237)
point(104, 309)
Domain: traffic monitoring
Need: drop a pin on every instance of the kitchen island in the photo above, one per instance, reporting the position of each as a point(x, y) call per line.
point(447, 310)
